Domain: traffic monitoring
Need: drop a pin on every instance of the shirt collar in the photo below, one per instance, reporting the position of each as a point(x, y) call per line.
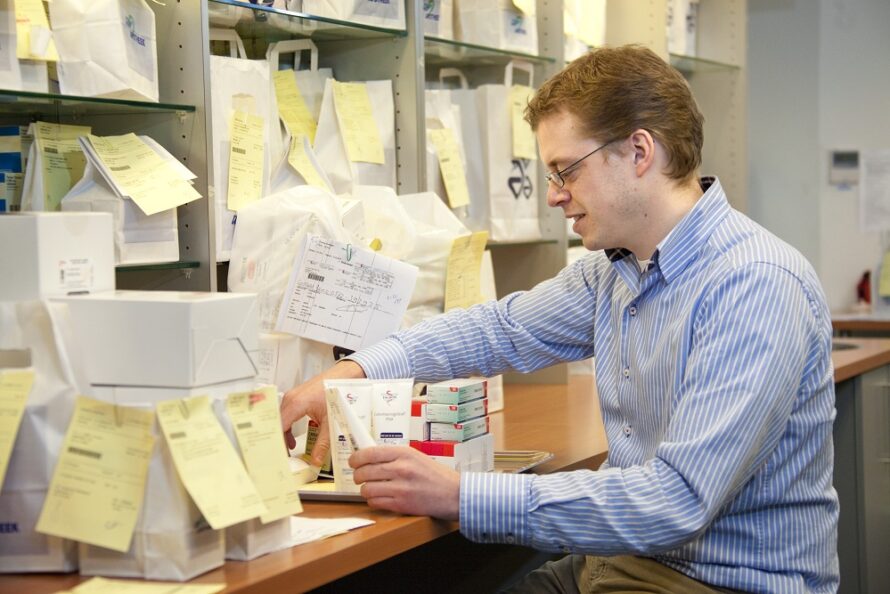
point(686, 239)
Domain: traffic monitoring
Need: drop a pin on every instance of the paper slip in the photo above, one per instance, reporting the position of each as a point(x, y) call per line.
point(99, 585)
point(62, 161)
point(462, 276)
point(299, 159)
point(524, 146)
point(207, 463)
point(140, 170)
point(453, 172)
point(34, 39)
point(257, 422)
point(246, 151)
point(884, 280)
point(98, 485)
point(344, 295)
point(357, 125)
point(15, 386)
point(292, 107)
point(305, 530)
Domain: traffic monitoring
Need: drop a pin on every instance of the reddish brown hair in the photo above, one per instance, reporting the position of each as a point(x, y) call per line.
point(614, 91)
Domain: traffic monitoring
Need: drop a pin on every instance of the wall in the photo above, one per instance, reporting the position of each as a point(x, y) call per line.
point(819, 79)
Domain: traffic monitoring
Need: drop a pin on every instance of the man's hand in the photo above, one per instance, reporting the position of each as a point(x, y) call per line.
point(401, 479)
point(308, 399)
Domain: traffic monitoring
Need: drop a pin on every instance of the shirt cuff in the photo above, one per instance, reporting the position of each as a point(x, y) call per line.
point(386, 359)
point(494, 507)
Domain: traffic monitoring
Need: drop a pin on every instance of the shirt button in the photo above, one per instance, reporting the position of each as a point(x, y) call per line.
point(627, 430)
point(626, 372)
point(510, 539)
point(633, 310)
point(566, 550)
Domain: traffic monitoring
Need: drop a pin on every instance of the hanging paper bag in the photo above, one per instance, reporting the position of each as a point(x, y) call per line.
point(378, 13)
point(362, 121)
point(499, 24)
point(511, 181)
point(37, 335)
point(242, 85)
point(107, 48)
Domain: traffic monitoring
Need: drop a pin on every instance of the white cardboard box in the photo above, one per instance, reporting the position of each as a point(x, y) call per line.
point(167, 339)
point(52, 254)
point(474, 455)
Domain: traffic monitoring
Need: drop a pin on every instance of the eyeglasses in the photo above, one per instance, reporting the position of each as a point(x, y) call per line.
point(556, 177)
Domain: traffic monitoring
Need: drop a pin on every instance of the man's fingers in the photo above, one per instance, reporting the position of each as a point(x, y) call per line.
point(379, 455)
point(289, 440)
point(384, 503)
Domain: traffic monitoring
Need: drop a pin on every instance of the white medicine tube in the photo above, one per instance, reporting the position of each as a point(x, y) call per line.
point(391, 411)
point(356, 396)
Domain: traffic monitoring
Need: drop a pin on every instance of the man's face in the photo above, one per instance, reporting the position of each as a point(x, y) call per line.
point(595, 194)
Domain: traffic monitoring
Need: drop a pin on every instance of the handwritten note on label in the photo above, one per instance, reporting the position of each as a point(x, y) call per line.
point(292, 107)
point(245, 160)
point(345, 295)
point(524, 146)
point(207, 463)
point(462, 284)
point(357, 125)
point(138, 172)
point(98, 485)
point(257, 424)
point(453, 172)
point(14, 389)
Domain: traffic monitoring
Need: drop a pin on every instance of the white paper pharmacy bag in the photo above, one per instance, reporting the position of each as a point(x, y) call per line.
point(138, 238)
point(442, 113)
point(15, 74)
point(37, 335)
point(511, 182)
point(285, 176)
point(171, 540)
point(268, 237)
point(379, 13)
point(438, 18)
point(385, 223)
point(251, 539)
point(107, 48)
point(436, 229)
point(497, 23)
point(331, 149)
point(243, 85)
point(285, 360)
point(310, 81)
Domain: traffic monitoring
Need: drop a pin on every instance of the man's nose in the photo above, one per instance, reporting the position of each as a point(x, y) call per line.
point(557, 196)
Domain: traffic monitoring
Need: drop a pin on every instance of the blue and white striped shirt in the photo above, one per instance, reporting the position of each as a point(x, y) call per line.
point(714, 374)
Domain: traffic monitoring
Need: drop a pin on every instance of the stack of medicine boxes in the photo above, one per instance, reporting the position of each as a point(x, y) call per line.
point(43, 255)
point(451, 424)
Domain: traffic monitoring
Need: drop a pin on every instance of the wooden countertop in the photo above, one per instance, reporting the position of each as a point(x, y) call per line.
point(563, 419)
point(867, 354)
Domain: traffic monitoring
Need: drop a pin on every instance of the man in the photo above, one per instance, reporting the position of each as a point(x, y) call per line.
point(712, 344)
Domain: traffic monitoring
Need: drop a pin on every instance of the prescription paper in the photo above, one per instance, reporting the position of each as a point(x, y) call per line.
point(257, 423)
point(14, 389)
point(207, 463)
point(99, 481)
point(344, 295)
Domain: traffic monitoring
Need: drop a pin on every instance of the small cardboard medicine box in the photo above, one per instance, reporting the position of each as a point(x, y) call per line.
point(457, 391)
point(52, 254)
point(165, 339)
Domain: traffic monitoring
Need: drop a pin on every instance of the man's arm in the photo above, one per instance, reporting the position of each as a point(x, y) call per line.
point(756, 336)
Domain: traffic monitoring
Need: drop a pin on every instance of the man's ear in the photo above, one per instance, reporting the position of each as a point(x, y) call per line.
point(643, 148)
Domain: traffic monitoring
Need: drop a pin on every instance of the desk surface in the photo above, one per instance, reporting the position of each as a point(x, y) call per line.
point(867, 354)
point(563, 419)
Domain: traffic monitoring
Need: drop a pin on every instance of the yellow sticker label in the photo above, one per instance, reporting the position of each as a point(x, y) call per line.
point(34, 38)
point(357, 125)
point(98, 486)
point(15, 386)
point(524, 146)
point(246, 153)
point(452, 167)
point(292, 107)
point(462, 276)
